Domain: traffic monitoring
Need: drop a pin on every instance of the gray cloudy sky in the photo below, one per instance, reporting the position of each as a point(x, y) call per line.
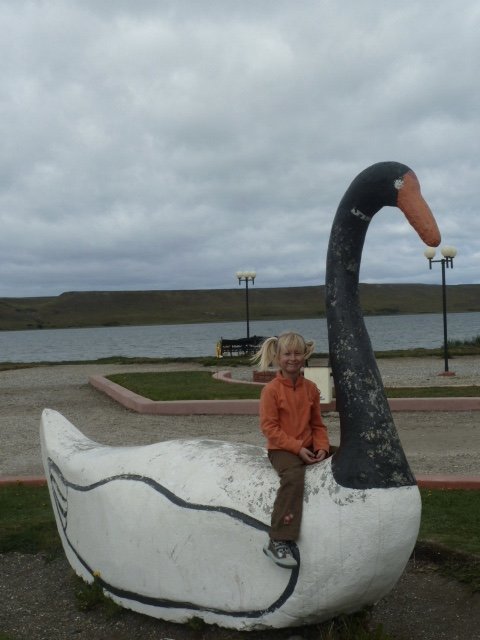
point(165, 145)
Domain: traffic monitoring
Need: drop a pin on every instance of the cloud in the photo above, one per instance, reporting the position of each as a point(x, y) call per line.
point(166, 145)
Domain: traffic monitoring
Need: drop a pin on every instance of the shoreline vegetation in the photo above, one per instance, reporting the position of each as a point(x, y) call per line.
point(78, 309)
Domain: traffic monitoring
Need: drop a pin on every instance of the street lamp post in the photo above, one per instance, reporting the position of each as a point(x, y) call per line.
point(246, 276)
point(446, 262)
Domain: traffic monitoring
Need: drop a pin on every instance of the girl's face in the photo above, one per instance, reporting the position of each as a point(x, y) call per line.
point(291, 360)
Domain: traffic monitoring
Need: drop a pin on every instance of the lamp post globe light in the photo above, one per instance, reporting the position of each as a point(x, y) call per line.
point(246, 276)
point(448, 253)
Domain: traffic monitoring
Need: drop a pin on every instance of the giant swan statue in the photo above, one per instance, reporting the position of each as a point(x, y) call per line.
point(175, 530)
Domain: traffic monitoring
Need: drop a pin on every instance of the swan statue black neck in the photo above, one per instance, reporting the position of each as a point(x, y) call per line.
point(370, 454)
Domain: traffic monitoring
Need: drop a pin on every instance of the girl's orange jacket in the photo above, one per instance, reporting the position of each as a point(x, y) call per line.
point(290, 415)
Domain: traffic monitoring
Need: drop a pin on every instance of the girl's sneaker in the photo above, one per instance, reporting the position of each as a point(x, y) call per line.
point(280, 552)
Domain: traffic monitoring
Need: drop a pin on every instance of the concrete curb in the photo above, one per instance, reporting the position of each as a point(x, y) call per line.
point(424, 481)
point(27, 481)
point(434, 404)
point(137, 403)
point(448, 482)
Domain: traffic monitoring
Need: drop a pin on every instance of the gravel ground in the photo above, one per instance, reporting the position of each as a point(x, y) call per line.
point(37, 596)
point(431, 444)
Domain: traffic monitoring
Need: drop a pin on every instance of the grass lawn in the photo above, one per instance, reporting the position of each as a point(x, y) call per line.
point(200, 385)
point(452, 518)
point(27, 523)
point(184, 385)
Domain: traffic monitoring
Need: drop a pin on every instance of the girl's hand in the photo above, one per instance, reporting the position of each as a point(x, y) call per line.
point(320, 455)
point(308, 457)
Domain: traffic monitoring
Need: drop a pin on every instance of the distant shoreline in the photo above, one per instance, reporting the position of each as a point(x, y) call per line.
point(136, 308)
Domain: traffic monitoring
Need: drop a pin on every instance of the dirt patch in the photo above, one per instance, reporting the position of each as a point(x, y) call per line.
point(37, 601)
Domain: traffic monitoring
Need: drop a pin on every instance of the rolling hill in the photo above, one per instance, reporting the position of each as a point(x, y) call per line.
point(115, 308)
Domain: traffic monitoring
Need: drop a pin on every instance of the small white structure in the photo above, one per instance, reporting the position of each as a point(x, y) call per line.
point(176, 529)
point(322, 377)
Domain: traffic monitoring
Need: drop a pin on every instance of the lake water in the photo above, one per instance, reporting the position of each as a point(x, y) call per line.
point(188, 340)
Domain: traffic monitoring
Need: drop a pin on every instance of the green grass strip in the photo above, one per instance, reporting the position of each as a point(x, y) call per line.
point(200, 385)
point(184, 385)
point(27, 523)
point(451, 517)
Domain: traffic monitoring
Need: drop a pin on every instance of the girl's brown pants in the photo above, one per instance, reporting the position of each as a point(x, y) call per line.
point(288, 505)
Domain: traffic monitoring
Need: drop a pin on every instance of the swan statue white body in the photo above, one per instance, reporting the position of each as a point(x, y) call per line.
point(175, 530)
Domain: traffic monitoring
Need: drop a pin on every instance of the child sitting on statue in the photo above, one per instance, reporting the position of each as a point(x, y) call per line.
point(296, 436)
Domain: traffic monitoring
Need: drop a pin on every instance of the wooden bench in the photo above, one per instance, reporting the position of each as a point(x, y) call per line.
point(239, 346)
